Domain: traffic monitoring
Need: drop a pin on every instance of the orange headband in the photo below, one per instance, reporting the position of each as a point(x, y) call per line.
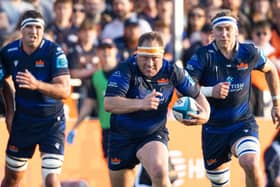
point(149, 51)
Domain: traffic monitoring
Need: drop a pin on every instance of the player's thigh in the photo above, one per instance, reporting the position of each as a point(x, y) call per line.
point(152, 154)
point(122, 178)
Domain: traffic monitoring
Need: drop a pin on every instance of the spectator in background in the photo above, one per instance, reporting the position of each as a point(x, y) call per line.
point(127, 44)
point(260, 100)
point(165, 11)
point(272, 162)
point(212, 4)
point(61, 28)
point(83, 61)
point(122, 9)
point(5, 27)
point(14, 9)
point(43, 7)
point(94, 8)
point(78, 14)
point(205, 39)
point(107, 54)
point(275, 39)
point(197, 18)
point(147, 10)
point(260, 10)
point(188, 4)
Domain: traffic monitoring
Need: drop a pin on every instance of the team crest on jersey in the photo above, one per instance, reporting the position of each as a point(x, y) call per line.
point(13, 148)
point(242, 66)
point(15, 63)
point(115, 161)
point(61, 61)
point(163, 81)
point(39, 63)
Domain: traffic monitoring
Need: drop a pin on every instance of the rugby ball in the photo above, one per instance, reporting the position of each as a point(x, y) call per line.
point(183, 106)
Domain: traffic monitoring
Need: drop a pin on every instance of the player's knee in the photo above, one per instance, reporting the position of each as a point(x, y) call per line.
point(249, 163)
point(16, 164)
point(219, 178)
point(247, 145)
point(51, 164)
point(247, 150)
point(158, 173)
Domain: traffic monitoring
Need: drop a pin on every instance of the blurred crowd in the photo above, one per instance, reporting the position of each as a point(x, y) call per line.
point(78, 26)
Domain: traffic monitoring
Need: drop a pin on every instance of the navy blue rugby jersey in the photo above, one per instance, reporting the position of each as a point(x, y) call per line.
point(127, 81)
point(47, 62)
point(209, 67)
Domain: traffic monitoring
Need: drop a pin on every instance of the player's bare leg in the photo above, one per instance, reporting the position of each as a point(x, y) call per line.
point(154, 158)
point(122, 178)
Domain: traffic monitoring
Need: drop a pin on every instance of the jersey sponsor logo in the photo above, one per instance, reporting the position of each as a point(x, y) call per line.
point(112, 84)
point(12, 49)
point(15, 63)
point(13, 148)
point(115, 161)
point(236, 87)
point(39, 64)
point(242, 66)
point(211, 161)
point(116, 74)
point(61, 61)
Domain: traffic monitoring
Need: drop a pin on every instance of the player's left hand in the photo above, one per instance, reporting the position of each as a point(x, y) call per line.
point(27, 80)
point(275, 114)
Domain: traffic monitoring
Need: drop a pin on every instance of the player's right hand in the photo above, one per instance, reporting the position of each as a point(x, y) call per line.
point(71, 136)
point(152, 100)
point(221, 90)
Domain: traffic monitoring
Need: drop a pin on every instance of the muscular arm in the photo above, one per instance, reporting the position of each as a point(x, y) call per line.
point(8, 98)
point(272, 79)
point(58, 88)
point(122, 105)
